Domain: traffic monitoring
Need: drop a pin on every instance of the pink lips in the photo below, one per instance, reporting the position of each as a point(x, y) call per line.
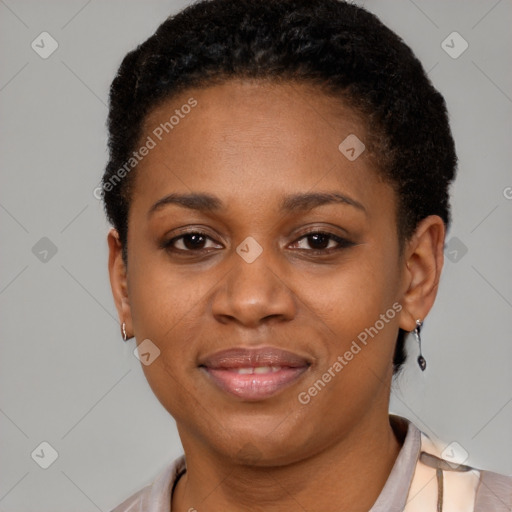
point(254, 374)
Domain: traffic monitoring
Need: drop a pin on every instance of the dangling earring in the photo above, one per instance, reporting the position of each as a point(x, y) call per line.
point(123, 328)
point(421, 360)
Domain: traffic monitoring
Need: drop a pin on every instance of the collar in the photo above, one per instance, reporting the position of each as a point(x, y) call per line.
point(393, 496)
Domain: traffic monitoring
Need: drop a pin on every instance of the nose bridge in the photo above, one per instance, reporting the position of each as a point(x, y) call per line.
point(253, 290)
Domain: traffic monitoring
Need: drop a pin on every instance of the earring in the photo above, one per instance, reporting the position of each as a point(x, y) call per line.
point(123, 328)
point(421, 360)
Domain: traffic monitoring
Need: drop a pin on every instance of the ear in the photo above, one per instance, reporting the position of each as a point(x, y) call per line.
point(423, 262)
point(118, 280)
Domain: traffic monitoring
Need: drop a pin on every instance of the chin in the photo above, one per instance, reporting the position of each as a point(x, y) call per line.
point(264, 442)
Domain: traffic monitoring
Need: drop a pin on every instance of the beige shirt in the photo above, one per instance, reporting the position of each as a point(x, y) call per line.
point(421, 480)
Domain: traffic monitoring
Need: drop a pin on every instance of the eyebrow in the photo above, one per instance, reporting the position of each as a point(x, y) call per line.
point(310, 200)
point(292, 203)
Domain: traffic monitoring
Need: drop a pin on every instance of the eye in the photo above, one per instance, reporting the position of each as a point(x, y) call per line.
point(192, 241)
point(322, 242)
point(198, 241)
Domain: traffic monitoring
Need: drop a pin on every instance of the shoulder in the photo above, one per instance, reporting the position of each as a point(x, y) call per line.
point(156, 496)
point(441, 476)
point(494, 492)
point(134, 502)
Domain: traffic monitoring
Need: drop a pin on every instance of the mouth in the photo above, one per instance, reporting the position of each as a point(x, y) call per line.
point(254, 374)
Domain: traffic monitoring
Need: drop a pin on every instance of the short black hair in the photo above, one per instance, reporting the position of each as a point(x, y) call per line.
point(337, 46)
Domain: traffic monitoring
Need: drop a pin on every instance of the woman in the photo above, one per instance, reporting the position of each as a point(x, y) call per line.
point(278, 221)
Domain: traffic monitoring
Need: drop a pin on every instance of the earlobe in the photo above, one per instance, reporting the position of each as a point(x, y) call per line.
point(423, 263)
point(118, 282)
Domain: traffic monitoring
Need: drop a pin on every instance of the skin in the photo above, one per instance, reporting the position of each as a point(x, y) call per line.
point(250, 144)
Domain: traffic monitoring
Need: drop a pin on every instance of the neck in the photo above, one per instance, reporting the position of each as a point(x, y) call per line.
point(348, 475)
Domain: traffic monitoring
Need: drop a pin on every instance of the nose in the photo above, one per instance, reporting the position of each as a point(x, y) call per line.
point(253, 293)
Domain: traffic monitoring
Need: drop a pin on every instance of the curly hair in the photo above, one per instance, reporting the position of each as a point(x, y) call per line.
point(342, 49)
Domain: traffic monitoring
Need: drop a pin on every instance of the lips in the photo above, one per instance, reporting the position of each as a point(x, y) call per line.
point(254, 374)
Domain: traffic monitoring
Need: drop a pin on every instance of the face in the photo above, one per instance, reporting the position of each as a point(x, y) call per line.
point(254, 293)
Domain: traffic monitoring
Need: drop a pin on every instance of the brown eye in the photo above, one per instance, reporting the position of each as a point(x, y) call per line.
point(319, 241)
point(194, 241)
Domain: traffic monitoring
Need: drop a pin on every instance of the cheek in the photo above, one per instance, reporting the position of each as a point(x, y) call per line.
point(162, 297)
point(354, 294)
point(169, 307)
point(359, 305)
point(165, 309)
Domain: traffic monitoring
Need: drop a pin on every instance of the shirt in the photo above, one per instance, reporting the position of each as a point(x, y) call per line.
point(421, 480)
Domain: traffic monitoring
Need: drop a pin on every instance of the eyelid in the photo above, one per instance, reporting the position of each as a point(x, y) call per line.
point(328, 229)
point(168, 243)
point(341, 241)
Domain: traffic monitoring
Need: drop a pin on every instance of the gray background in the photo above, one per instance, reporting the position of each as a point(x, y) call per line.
point(67, 378)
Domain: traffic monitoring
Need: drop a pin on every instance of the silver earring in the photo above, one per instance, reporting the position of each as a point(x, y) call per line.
point(123, 328)
point(421, 360)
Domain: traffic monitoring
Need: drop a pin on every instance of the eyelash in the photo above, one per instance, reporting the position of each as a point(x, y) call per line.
point(342, 242)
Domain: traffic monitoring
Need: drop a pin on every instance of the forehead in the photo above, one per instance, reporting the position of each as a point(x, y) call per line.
point(253, 139)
